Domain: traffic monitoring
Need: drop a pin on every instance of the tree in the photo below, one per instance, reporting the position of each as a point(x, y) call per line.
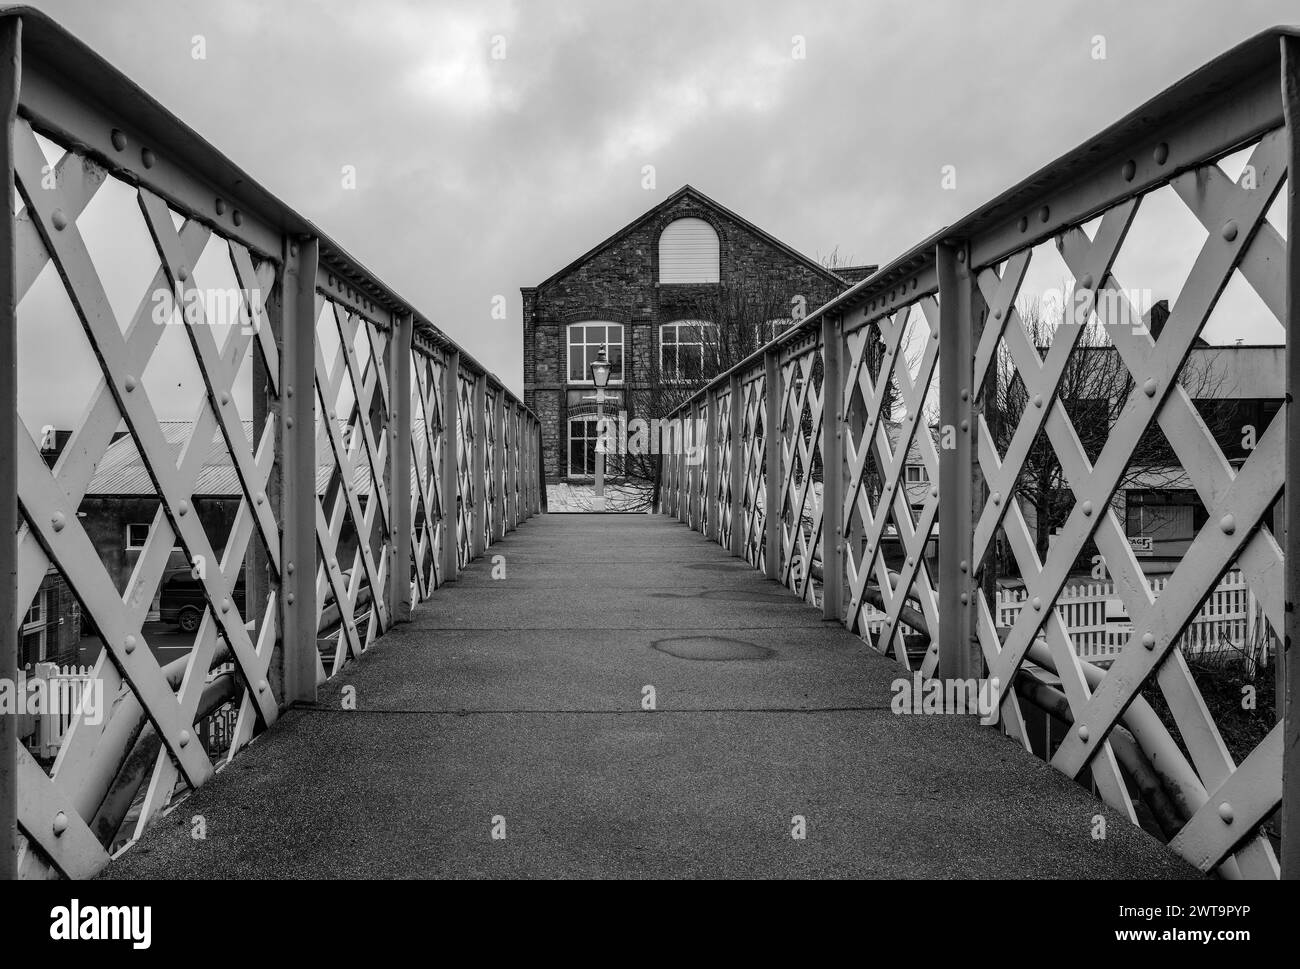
point(1094, 389)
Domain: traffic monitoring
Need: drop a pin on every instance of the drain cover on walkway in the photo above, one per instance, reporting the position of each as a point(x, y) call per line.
point(711, 648)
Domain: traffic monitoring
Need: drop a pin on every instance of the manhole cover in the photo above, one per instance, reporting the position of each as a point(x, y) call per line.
point(711, 648)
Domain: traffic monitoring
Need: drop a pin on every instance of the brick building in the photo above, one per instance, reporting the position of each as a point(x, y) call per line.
point(640, 292)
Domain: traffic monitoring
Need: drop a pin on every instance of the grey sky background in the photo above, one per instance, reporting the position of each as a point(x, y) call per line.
point(477, 176)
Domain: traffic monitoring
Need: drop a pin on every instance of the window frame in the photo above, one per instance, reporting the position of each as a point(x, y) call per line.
point(586, 380)
point(137, 548)
point(677, 343)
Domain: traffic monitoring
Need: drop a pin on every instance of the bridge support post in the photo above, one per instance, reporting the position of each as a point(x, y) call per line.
point(832, 468)
point(956, 462)
point(1289, 660)
point(499, 465)
point(540, 483)
point(449, 471)
point(712, 478)
point(295, 474)
point(478, 461)
point(10, 69)
point(772, 464)
point(399, 464)
point(736, 468)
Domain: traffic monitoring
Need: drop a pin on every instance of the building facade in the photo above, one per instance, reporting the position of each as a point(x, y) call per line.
point(645, 293)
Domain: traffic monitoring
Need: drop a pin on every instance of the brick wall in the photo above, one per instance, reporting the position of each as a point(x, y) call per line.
point(618, 284)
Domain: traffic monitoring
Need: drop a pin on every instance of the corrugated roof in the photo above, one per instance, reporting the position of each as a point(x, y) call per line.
point(122, 471)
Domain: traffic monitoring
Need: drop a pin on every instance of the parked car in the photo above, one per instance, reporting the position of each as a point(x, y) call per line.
point(182, 601)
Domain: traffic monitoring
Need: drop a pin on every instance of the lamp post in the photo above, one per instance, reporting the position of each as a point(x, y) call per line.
point(600, 377)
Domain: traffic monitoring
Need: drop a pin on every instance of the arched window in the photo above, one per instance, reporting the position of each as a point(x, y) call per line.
point(585, 341)
point(688, 252)
point(688, 350)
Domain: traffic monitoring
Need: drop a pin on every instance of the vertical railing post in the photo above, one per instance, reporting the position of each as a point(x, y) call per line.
point(697, 469)
point(832, 467)
point(449, 471)
point(711, 465)
point(399, 485)
point(295, 497)
point(736, 468)
point(1288, 658)
point(539, 446)
point(956, 462)
point(478, 466)
point(772, 464)
point(10, 70)
point(499, 464)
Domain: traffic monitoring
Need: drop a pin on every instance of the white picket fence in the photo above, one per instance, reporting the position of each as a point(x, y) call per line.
point(69, 684)
point(1230, 618)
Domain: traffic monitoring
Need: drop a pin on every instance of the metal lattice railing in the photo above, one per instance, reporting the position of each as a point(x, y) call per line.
point(876, 466)
point(338, 457)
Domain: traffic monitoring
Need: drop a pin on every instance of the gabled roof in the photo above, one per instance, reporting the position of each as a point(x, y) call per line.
point(121, 472)
point(692, 192)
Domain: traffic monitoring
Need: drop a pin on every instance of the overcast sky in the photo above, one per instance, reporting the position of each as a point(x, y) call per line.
point(475, 176)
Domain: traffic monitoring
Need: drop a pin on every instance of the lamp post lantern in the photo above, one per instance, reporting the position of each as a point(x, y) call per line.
point(600, 377)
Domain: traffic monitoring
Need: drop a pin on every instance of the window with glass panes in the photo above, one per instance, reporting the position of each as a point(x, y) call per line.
point(685, 347)
point(585, 341)
point(584, 432)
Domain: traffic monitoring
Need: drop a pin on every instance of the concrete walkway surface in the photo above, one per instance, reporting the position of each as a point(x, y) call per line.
point(515, 706)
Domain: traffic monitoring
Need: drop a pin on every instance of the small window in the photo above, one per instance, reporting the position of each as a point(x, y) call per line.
point(917, 473)
point(136, 535)
point(688, 350)
point(585, 341)
point(584, 433)
point(688, 252)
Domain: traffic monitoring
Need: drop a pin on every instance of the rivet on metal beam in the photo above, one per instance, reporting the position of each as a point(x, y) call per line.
point(184, 738)
point(1129, 170)
point(1083, 732)
point(1228, 524)
point(58, 521)
point(261, 686)
point(225, 605)
point(1044, 213)
point(1161, 154)
point(288, 422)
point(182, 508)
point(58, 220)
point(220, 206)
point(1230, 230)
point(963, 565)
point(1038, 400)
point(965, 425)
point(1150, 386)
point(996, 498)
point(237, 217)
point(1037, 604)
point(1087, 509)
point(1226, 813)
point(148, 158)
point(1149, 640)
point(60, 824)
point(1024, 223)
point(118, 139)
point(128, 644)
point(964, 598)
point(129, 383)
